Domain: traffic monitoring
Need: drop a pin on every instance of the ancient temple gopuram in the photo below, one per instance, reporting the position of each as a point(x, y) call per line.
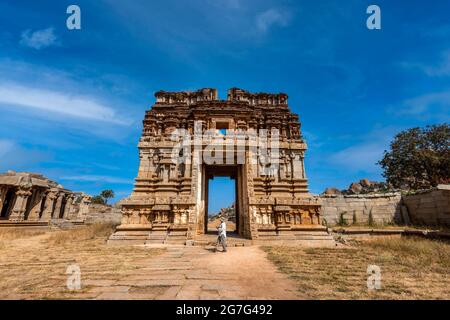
point(191, 137)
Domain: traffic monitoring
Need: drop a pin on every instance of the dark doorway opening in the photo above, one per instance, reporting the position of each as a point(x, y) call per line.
point(41, 210)
point(63, 208)
point(7, 204)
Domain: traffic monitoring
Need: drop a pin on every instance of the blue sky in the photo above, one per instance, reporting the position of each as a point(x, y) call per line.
point(218, 187)
point(72, 102)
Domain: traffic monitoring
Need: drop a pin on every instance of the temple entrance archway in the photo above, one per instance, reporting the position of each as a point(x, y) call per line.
point(234, 173)
point(221, 203)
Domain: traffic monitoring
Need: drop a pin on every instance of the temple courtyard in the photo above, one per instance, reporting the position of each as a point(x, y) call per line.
point(33, 265)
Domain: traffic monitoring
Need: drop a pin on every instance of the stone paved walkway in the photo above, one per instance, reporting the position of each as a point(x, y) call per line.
point(198, 273)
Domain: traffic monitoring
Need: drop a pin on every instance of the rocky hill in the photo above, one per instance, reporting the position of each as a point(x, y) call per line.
point(364, 186)
point(229, 213)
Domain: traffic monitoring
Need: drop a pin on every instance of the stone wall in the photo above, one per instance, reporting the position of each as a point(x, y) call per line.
point(100, 213)
point(383, 207)
point(430, 207)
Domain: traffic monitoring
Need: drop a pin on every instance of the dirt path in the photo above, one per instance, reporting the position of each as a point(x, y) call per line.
point(197, 273)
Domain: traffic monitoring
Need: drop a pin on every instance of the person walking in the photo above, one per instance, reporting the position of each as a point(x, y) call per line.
point(222, 237)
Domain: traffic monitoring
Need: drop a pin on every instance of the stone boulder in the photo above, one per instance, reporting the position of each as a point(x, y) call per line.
point(332, 191)
point(355, 188)
point(365, 183)
point(364, 186)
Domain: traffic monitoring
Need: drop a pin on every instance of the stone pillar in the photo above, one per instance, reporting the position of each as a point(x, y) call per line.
point(48, 206)
point(172, 171)
point(68, 207)
point(84, 207)
point(74, 208)
point(57, 210)
point(176, 216)
point(126, 215)
point(18, 212)
point(36, 207)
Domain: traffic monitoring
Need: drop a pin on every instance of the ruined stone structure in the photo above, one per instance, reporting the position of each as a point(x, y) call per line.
point(31, 197)
point(429, 207)
point(376, 208)
point(169, 201)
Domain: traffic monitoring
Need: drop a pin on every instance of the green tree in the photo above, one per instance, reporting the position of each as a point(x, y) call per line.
point(418, 158)
point(107, 194)
point(98, 200)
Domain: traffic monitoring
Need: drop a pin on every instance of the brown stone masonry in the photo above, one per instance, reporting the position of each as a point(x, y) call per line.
point(169, 200)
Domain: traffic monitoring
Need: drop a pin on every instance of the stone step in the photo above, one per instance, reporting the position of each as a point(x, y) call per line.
point(210, 240)
point(153, 241)
point(12, 224)
point(157, 236)
point(309, 238)
point(294, 237)
point(178, 233)
point(160, 227)
point(176, 238)
point(213, 244)
point(129, 235)
point(306, 237)
point(175, 241)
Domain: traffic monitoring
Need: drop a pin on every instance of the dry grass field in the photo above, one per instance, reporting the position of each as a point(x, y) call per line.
point(410, 269)
point(33, 263)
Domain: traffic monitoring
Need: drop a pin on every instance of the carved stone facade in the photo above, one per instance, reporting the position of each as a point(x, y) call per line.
point(169, 201)
point(31, 197)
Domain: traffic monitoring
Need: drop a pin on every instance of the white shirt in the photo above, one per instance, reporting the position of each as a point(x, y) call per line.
point(223, 229)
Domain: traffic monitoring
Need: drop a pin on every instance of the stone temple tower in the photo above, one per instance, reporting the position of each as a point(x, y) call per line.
point(189, 138)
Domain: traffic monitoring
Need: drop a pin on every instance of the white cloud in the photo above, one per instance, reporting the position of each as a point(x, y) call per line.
point(433, 105)
point(439, 69)
point(361, 157)
point(312, 139)
point(15, 157)
point(364, 154)
point(270, 18)
point(5, 147)
point(225, 4)
point(38, 39)
point(95, 178)
point(65, 104)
